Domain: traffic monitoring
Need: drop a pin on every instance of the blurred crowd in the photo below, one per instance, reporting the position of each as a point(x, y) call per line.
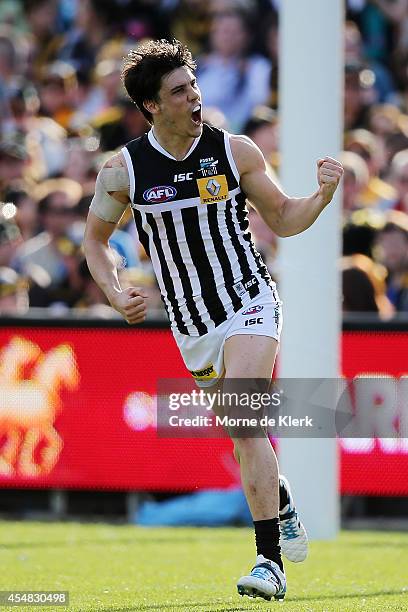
point(63, 112)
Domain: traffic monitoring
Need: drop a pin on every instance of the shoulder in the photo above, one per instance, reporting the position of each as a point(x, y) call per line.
point(114, 175)
point(210, 131)
point(247, 155)
point(116, 161)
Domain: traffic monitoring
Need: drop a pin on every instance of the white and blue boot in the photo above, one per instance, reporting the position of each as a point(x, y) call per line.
point(293, 539)
point(266, 580)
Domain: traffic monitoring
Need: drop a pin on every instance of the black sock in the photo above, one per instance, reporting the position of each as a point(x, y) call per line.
point(283, 497)
point(267, 540)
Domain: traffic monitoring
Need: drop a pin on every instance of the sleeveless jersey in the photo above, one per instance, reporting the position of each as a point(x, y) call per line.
point(191, 219)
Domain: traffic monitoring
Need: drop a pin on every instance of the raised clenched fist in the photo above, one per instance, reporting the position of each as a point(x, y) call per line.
point(329, 173)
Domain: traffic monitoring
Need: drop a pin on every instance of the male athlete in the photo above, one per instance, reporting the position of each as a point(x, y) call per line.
point(187, 184)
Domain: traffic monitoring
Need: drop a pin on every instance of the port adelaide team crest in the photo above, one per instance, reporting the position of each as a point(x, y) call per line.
point(212, 187)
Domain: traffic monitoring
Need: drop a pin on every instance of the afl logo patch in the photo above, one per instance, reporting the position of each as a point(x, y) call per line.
point(160, 194)
point(252, 310)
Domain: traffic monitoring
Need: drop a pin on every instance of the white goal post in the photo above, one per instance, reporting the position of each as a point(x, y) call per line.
point(311, 111)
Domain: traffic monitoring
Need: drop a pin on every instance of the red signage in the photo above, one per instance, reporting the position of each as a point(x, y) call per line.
point(378, 466)
point(78, 410)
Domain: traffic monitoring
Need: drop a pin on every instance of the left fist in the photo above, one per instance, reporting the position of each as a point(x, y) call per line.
point(329, 173)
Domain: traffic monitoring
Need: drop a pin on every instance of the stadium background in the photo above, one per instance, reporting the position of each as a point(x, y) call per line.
point(63, 112)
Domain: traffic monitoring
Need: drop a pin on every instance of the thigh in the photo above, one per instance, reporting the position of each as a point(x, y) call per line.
point(248, 361)
point(250, 356)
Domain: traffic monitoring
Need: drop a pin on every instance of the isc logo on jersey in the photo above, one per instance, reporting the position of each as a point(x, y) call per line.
point(160, 194)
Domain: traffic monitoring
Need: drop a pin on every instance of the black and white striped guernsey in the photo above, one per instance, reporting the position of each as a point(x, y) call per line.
point(191, 218)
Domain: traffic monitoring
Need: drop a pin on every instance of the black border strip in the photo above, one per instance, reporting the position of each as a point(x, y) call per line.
point(358, 323)
point(38, 322)
point(349, 323)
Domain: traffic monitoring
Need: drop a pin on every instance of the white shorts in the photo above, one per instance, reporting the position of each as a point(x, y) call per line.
point(204, 355)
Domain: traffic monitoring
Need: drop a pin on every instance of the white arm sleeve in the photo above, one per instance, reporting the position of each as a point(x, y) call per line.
point(103, 205)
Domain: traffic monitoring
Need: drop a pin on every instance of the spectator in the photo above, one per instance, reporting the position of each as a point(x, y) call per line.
point(26, 214)
point(263, 128)
point(10, 238)
point(45, 140)
point(374, 24)
point(355, 180)
point(358, 96)
point(121, 123)
point(13, 158)
point(13, 293)
point(95, 22)
point(378, 192)
point(44, 255)
point(392, 251)
point(360, 230)
point(57, 93)
point(271, 49)
point(80, 163)
point(384, 120)
point(358, 291)
point(230, 77)
point(395, 143)
point(364, 286)
point(382, 81)
point(399, 178)
point(8, 67)
point(92, 298)
point(191, 22)
point(44, 38)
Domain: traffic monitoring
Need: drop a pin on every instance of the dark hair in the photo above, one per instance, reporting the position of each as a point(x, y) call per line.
point(145, 67)
point(390, 227)
point(358, 291)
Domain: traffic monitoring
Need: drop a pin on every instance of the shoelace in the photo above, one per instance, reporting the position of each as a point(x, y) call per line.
point(261, 572)
point(290, 527)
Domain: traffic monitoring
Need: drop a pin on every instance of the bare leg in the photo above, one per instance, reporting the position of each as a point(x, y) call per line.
point(247, 356)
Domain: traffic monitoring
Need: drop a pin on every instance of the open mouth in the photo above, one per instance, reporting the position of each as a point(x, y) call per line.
point(196, 115)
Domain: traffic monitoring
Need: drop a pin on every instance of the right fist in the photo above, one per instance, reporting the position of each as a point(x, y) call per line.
point(131, 304)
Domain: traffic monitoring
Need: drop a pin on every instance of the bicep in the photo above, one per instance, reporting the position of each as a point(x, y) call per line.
point(256, 181)
point(263, 193)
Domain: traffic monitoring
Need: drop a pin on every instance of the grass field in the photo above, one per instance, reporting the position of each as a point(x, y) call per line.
point(117, 568)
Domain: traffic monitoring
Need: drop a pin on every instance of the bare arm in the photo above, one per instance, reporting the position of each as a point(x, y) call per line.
point(107, 207)
point(284, 215)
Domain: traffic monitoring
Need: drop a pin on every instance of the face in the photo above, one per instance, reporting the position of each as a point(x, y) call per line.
point(228, 36)
point(400, 181)
point(266, 137)
point(351, 189)
point(42, 17)
point(392, 249)
point(178, 108)
point(59, 214)
point(11, 168)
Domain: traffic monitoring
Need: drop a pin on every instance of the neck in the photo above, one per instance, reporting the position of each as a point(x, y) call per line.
point(178, 146)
